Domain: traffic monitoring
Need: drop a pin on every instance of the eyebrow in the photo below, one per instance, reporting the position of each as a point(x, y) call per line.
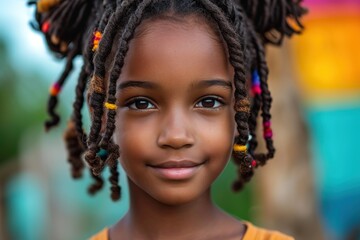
point(137, 84)
point(214, 82)
point(200, 84)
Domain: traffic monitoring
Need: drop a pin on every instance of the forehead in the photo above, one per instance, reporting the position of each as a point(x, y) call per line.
point(178, 44)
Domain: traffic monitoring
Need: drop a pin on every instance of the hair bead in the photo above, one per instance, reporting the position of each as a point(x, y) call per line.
point(110, 106)
point(96, 40)
point(242, 105)
point(255, 80)
point(240, 148)
point(268, 133)
point(45, 26)
point(55, 89)
point(45, 5)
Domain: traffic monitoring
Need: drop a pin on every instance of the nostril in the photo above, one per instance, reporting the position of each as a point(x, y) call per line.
point(175, 142)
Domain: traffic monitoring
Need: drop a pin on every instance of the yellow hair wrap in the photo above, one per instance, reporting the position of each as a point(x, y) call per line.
point(110, 106)
point(45, 5)
point(240, 148)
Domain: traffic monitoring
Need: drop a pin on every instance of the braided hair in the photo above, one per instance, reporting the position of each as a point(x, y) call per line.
point(95, 29)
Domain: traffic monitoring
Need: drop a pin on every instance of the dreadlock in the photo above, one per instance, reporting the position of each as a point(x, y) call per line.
point(96, 29)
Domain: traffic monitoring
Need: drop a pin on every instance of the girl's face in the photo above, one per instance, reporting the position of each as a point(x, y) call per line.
point(175, 121)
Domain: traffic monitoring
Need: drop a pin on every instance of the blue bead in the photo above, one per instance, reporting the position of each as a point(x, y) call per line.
point(102, 153)
point(255, 78)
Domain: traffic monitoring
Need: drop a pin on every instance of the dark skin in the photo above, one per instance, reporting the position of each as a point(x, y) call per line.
point(175, 104)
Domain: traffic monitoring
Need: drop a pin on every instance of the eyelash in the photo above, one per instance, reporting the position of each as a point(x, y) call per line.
point(216, 99)
point(136, 100)
point(132, 103)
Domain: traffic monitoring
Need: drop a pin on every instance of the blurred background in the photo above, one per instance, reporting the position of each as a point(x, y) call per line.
point(310, 190)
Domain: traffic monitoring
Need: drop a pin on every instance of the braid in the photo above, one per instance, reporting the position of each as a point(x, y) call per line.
point(235, 43)
point(127, 34)
point(74, 150)
point(114, 173)
point(266, 104)
point(55, 89)
point(97, 87)
point(86, 70)
point(274, 19)
point(78, 104)
point(62, 23)
point(97, 185)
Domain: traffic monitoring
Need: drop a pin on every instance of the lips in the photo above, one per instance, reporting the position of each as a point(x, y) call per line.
point(176, 170)
point(177, 164)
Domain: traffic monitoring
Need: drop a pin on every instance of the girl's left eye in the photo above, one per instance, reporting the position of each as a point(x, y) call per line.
point(209, 102)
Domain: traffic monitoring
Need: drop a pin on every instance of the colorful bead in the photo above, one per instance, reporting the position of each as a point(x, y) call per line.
point(255, 78)
point(110, 106)
point(240, 148)
point(256, 90)
point(45, 5)
point(55, 89)
point(45, 26)
point(267, 124)
point(253, 163)
point(268, 133)
point(255, 81)
point(96, 40)
point(102, 153)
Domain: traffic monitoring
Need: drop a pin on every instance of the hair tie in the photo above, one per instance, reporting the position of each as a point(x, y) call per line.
point(242, 105)
point(268, 133)
point(255, 80)
point(45, 5)
point(96, 40)
point(110, 106)
point(55, 89)
point(240, 148)
point(45, 26)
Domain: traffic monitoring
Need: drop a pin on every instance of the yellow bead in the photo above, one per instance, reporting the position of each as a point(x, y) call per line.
point(110, 106)
point(240, 148)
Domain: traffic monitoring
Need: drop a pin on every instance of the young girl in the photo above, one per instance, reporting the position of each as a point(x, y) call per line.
point(167, 85)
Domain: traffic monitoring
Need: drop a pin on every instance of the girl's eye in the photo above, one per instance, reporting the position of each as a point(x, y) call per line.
point(140, 104)
point(209, 102)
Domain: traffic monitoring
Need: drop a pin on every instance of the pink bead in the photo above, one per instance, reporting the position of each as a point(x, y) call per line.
point(57, 86)
point(267, 124)
point(268, 134)
point(253, 163)
point(256, 89)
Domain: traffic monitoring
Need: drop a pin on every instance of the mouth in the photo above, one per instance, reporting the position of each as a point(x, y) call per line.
point(176, 170)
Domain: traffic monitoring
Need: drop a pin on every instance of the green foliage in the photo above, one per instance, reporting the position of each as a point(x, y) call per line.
point(237, 204)
point(22, 104)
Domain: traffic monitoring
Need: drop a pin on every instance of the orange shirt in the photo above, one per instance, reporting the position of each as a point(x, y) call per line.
point(252, 233)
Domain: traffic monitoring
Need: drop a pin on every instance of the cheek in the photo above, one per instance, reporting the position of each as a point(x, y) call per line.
point(134, 138)
point(218, 137)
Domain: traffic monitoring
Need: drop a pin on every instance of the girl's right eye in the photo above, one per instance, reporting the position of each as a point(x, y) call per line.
point(140, 104)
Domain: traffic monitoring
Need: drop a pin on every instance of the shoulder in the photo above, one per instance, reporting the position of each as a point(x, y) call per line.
point(102, 235)
point(256, 233)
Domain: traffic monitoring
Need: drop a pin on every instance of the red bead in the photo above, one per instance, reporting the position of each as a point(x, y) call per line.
point(268, 133)
point(256, 90)
point(45, 27)
point(253, 163)
point(267, 124)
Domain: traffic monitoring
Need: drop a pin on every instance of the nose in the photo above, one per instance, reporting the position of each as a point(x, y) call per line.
point(176, 131)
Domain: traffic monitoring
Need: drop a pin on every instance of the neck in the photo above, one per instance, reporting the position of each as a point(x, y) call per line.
point(148, 218)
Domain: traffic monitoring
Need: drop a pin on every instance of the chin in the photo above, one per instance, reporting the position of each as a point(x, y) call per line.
point(177, 196)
